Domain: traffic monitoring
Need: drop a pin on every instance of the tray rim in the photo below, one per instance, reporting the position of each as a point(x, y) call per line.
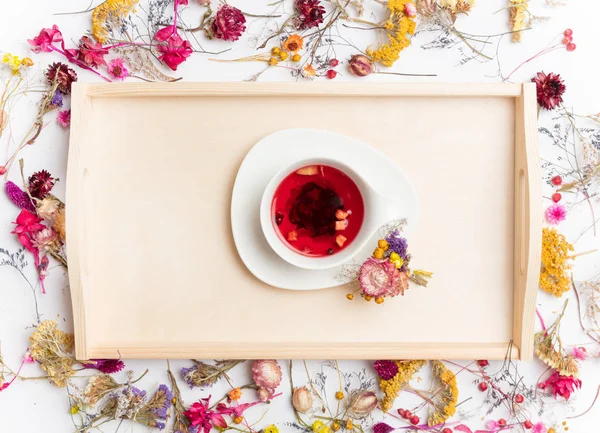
point(527, 221)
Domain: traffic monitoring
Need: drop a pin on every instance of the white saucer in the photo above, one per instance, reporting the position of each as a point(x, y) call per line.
point(283, 148)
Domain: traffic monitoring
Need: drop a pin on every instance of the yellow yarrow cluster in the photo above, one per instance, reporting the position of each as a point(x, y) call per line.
point(518, 17)
point(52, 349)
point(391, 387)
point(398, 27)
point(555, 253)
point(114, 10)
point(457, 6)
point(446, 398)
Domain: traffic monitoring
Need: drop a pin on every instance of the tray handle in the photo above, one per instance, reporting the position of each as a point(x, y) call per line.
point(527, 220)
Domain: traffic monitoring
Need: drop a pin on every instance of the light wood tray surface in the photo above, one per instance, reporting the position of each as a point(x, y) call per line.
point(153, 268)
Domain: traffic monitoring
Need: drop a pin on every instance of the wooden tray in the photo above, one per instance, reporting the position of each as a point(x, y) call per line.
point(153, 269)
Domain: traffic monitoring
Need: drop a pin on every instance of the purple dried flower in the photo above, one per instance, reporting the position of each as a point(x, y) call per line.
point(135, 391)
point(382, 428)
point(18, 197)
point(397, 243)
point(386, 369)
point(107, 366)
point(163, 394)
point(57, 99)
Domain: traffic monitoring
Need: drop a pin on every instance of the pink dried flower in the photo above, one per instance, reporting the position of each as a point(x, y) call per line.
point(43, 41)
point(18, 196)
point(117, 69)
point(28, 224)
point(228, 24)
point(386, 369)
point(107, 366)
point(382, 428)
point(91, 53)
point(561, 385)
point(175, 50)
point(40, 183)
point(556, 213)
point(539, 428)
point(64, 118)
point(381, 278)
point(410, 10)
point(550, 89)
point(266, 374)
point(310, 14)
point(45, 239)
point(580, 353)
point(27, 358)
point(199, 415)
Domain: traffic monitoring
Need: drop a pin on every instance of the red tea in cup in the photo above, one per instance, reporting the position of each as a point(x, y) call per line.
point(317, 210)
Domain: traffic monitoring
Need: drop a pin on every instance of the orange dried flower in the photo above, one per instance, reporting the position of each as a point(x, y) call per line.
point(235, 394)
point(293, 43)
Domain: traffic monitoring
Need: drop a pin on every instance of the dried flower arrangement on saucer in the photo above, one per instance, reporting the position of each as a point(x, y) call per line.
point(387, 272)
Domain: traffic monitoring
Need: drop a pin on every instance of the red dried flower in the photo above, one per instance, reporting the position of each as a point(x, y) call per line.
point(91, 53)
point(175, 49)
point(386, 369)
point(227, 24)
point(310, 14)
point(107, 366)
point(550, 89)
point(62, 75)
point(561, 385)
point(40, 184)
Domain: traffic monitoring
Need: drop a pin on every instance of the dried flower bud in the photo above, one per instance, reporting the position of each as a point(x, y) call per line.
point(360, 65)
point(302, 399)
point(27, 62)
point(361, 404)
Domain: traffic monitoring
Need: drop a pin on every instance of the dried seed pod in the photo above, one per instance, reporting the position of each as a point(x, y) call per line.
point(302, 399)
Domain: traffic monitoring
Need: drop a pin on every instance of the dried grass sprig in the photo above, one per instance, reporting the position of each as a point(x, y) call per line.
point(203, 374)
point(550, 350)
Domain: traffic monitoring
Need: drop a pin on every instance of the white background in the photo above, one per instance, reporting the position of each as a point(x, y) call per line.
point(38, 406)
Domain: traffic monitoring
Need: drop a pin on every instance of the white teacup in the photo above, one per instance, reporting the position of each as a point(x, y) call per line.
point(378, 211)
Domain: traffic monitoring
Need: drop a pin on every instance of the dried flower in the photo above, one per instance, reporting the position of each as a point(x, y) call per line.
point(272, 429)
point(18, 196)
point(64, 118)
point(110, 14)
point(266, 375)
point(293, 43)
point(382, 427)
point(61, 75)
point(117, 69)
point(561, 385)
point(235, 394)
point(43, 41)
point(360, 65)
point(91, 53)
point(310, 14)
point(381, 278)
point(398, 28)
point(227, 24)
point(302, 399)
point(47, 207)
point(97, 388)
point(309, 72)
point(361, 404)
point(13, 62)
point(555, 256)
point(52, 348)
point(519, 17)
point(108, 366)
point(580, 353)
point(445, 394)
point(550, 89)
point(386, 369)
point(175, 50)
point(40, 184)
point(199, 415)
point(59, 223)
point(410, 10)
point(556, 213)
point(45, 239)
point(202, 374)
point(57, 100)
point(391, 387)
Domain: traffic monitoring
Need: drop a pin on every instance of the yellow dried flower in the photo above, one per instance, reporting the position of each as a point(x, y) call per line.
point(519, 17)
point(383, 244)
point(446, 394)
point(110, 13)
point(391, 387)
point(398, 27)
point(555, 254)
point(13, 62)
point(52, 348)
point(378, 253)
